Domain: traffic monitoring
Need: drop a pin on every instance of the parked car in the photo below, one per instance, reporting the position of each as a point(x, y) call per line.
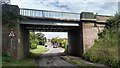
point(55, 45)
point(45, 45)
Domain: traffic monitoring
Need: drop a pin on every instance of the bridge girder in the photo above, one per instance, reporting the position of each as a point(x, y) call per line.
point(46, 28)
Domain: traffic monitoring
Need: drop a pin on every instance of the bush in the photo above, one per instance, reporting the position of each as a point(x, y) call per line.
point(33, 45)
point(33, 40)
point(63, 43)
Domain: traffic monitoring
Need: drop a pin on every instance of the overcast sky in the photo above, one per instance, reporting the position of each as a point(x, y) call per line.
point(104, 7)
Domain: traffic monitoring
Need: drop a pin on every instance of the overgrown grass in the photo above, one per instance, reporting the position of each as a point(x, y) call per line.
point(8, 62)
point(27, 62)
point(39, 50)
point(105, 49)
point(79, 62)
point(0, 60)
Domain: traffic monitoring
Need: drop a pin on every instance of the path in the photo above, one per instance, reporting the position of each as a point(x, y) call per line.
point(51, 58)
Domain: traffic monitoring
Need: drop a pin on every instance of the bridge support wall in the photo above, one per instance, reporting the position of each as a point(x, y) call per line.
point(75, 41)
point(90, 33)
point(9, 46)
point(91, 28)
point(23, 41)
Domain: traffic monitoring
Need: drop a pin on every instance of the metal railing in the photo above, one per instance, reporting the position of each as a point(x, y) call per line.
point(49, 14)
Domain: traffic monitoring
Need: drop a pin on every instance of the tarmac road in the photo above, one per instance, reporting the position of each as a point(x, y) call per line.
point(51, 59)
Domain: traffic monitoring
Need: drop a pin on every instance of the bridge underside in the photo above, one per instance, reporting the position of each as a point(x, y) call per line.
point(75, 46)
point(49, 28)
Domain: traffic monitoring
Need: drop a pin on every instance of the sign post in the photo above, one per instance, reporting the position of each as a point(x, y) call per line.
point(11, 35)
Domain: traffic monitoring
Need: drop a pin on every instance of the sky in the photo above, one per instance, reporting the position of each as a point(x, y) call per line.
point(50, 35)
point(105, 7)
point(102, 7)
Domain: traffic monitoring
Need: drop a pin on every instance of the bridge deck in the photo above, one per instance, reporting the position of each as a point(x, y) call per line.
point(60, 16)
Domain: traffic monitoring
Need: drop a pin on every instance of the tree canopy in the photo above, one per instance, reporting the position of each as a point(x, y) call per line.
point(37, 39)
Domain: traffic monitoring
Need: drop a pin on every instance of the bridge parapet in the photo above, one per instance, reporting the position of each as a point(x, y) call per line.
point(102, 18)
point(49, 14)
point(91, 17)
point(84, 16)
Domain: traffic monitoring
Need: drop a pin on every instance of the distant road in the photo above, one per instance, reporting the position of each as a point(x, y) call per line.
point(51, 59)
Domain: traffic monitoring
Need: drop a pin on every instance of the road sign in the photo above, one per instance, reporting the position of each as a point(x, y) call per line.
point(12, 33)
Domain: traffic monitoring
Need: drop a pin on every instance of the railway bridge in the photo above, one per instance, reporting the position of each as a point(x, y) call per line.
point(82, 29)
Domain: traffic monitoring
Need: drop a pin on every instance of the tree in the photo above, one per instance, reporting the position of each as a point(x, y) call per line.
point(41, 38)
point(113, 21)
point(40, 35)
point(33, 40)
point(54, 40)
point(44, 40)
point(62, 42)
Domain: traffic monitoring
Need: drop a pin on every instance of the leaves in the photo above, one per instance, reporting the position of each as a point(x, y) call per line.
point(42, 40)
point(37, 39)
point(62, 42)
point(114, 21)
point(33, 40)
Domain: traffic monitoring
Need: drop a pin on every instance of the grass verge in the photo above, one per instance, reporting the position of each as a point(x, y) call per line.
point(80, 63)
point(39, 50)
point(8, 62)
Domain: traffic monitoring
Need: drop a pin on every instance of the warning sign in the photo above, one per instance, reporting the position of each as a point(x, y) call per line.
point(12, 33)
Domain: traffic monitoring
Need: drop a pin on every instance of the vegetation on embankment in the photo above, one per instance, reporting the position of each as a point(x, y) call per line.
point(105, 48)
